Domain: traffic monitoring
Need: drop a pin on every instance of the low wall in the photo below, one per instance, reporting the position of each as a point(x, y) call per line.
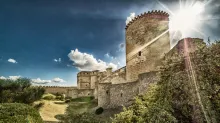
point(57, 89)
point(74, 93)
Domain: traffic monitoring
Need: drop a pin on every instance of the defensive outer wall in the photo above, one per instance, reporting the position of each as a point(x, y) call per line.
point(147, 43)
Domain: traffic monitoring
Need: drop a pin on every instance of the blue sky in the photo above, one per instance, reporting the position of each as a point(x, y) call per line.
point(37, 36)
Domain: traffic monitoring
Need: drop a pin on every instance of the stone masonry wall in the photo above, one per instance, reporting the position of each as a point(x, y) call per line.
point(145, 46)
point(104, 94)
point(57, 89)
point(74, 93)
point(122, 94)
point(116, 77)
point(145, 79)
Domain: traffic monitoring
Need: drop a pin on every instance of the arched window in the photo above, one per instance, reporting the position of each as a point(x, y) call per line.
point(121, 94)
point(107, 92)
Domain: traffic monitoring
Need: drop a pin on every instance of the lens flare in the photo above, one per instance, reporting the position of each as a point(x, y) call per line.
point(187, 17)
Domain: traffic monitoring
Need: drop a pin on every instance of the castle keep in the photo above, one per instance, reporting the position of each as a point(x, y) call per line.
point(147, 42)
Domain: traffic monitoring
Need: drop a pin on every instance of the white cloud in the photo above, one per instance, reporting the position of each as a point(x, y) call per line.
point(107, 55)
point(58, 80)
point(11, 77)
point(86, 62)
point(14, 77)
point(12, 60)
point(40, 81)
point(36, 81)
point(57, 60)
point(132, 16)
point(113, 66)
point(2, 77)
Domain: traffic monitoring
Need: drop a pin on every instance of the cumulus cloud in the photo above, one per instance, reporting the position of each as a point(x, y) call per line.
point(14, 77)
point(107, 55)
point(11, 77)
point(41, 81)
point(58, 80)
point(57, 60)
point(132, 16)
point(12, 60)
point(86, 62)
point(2, 77)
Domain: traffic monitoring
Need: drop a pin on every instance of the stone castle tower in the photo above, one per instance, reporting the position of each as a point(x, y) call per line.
point(147, 40)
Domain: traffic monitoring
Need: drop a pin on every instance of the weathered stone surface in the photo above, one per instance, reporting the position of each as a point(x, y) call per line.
point(147, 42)
point(145, 46)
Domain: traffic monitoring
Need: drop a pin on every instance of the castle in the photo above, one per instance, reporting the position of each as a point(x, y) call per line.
point(147, 42)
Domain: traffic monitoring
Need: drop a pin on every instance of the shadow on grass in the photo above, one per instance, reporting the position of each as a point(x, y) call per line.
point(51, 121)
point(59, 102)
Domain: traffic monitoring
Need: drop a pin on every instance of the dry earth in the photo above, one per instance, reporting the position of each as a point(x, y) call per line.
point(52, 108)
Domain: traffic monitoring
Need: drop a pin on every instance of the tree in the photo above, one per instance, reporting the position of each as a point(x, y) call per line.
point(19, 90)
point(184, 94)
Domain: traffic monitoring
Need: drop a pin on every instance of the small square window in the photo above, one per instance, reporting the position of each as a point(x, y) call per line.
point(139, 53)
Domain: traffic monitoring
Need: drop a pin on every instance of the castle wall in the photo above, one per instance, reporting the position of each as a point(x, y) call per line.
point(57, 89)
point(116, 77)
point(104, 94)
point(84, 80)
point(94, 81)
point(72, 93)
point(122, 94)
point(145, 79)
point(85, 92)
point(145, 46)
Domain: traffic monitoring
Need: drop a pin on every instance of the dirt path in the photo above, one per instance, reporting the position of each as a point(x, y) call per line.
point(51, 108)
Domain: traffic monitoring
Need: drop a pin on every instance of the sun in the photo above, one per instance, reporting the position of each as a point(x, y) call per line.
point(187, 17)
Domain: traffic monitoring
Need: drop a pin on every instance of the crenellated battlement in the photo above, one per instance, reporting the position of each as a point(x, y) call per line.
point(58, 86)
point(161, 15)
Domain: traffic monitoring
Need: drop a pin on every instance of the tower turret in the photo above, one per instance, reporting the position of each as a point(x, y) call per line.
point(147, 40)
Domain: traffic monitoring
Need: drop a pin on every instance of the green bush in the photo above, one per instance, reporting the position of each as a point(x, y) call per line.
point(181, 95)
point(38, 105)
point(80, 118)
point(68, 98)
point(19, 91)
point(59, 96)
point(49, 96)
point(67, 101)
point(99, 110)
point(18, 113)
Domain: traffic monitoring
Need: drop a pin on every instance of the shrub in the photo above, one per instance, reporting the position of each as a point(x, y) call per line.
point(19, 91)
point(99, 110)
point(81, 118)
point(67, 101)
point(18, 113)
point(59, 96)
point(38, 105)
point(49, 96)
point(68, 98)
